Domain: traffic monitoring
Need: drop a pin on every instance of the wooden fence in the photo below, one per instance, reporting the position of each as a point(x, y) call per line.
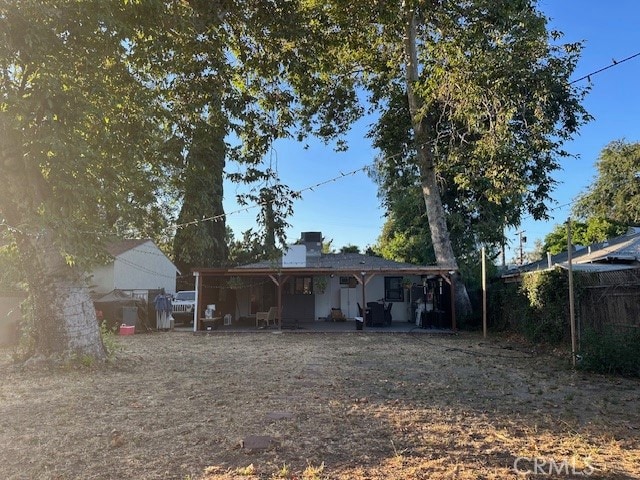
point(610, 300)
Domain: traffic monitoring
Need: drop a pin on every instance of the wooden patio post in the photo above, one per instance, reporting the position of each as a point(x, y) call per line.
point(279, 283)
point(364, 301)
point(484, 294)
point(454, 325)
point(196, 307)
point(572, 312)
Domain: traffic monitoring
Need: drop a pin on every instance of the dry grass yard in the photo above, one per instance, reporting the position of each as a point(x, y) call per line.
point(350, 406)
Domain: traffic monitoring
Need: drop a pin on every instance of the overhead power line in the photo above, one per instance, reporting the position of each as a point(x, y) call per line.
point(614, 63)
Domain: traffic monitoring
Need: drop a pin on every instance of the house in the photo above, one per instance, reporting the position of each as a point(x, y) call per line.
point(137, 265)
point(306, 285)
point(619, 253)
point(609, 274)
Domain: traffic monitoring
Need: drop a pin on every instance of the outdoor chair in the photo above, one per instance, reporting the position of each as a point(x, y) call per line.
point(267, 317)
point(376, 318)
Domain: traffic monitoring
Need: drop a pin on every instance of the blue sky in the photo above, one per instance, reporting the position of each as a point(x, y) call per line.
point(348, 211)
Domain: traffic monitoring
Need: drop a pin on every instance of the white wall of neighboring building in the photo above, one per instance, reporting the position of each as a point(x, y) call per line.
point(143, 267)
point(101, 280)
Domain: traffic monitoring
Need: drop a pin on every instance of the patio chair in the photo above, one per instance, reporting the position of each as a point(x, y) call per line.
point(267, 317)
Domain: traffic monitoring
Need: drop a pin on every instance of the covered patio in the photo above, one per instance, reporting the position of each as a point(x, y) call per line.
point(231, 299)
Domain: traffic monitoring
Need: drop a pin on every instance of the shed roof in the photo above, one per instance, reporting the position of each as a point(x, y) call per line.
point(121, 246)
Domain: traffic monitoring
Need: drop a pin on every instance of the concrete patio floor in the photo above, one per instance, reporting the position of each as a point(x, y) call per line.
point(348, 326)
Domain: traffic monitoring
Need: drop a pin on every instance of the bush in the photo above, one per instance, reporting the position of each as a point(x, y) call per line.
point(611, 352)
point(109, 339)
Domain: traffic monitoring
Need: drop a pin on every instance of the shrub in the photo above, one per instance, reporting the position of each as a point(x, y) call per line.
point(109, 339)
point(611, 351)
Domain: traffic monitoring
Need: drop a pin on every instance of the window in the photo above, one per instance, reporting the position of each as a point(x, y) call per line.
point(303, 286)
point(393, 289)
point(349, 281)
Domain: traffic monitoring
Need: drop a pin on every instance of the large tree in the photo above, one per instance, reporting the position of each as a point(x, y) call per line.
point(486, 94)
point(231, 74)
point(102, 101)
point(78, 131)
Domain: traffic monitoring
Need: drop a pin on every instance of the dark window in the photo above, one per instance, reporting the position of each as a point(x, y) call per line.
point(350, 281)
point(303, 286)
point(393, 289)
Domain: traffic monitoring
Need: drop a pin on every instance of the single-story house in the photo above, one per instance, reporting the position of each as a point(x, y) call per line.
point(306, 285)
point(619, 253)
point(609, 275)
point(138, 266)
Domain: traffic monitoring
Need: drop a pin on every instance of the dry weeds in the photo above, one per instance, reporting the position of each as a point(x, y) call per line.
point(350, 406)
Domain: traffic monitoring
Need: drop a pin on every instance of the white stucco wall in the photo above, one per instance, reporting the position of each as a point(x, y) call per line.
point(101, 280)
point(144, 267)
point(373, 292)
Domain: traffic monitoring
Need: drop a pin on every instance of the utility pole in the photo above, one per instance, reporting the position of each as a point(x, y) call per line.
point(522, 241)
point(572, 311)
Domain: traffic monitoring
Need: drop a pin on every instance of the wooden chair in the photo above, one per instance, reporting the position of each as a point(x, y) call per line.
point(267, 317)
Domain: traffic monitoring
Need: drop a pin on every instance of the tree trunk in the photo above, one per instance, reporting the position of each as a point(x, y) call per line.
point(65, 323)
point(445, 257)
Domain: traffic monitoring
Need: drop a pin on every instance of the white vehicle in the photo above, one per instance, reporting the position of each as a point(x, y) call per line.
point(184, 303)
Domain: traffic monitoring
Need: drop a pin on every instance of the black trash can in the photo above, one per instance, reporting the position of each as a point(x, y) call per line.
point(359, 323)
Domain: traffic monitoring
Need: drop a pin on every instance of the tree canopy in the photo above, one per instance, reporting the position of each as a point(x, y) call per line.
point(476, 105)
point(593, 230)
point(615, 192)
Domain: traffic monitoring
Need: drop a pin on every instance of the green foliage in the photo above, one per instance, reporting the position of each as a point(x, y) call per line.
point(538, 307)
point(507, 306)
point(26, 344)
point(79, 127)
point(547, 293)
point(612, 351)
point(109, 339)
point(320, 284)
point(595, 229)
point(489, 111)
point(249, 249)
point(615, 192)
point(11, 273)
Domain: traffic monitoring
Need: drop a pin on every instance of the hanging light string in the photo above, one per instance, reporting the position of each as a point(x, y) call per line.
point(340, 176)
point(219, 217)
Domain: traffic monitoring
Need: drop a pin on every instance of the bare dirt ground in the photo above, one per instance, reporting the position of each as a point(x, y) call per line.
point(350, 406)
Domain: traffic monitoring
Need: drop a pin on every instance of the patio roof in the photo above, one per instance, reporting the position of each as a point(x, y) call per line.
point(332, 263)
point(362, 267)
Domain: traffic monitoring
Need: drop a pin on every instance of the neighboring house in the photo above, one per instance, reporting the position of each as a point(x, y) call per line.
point(306, 285)
point(138, 265)
point(609, 274)
point(619, 253)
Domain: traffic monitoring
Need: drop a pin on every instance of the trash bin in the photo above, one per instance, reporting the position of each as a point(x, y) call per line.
point(129, 315)
point(359, 323)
